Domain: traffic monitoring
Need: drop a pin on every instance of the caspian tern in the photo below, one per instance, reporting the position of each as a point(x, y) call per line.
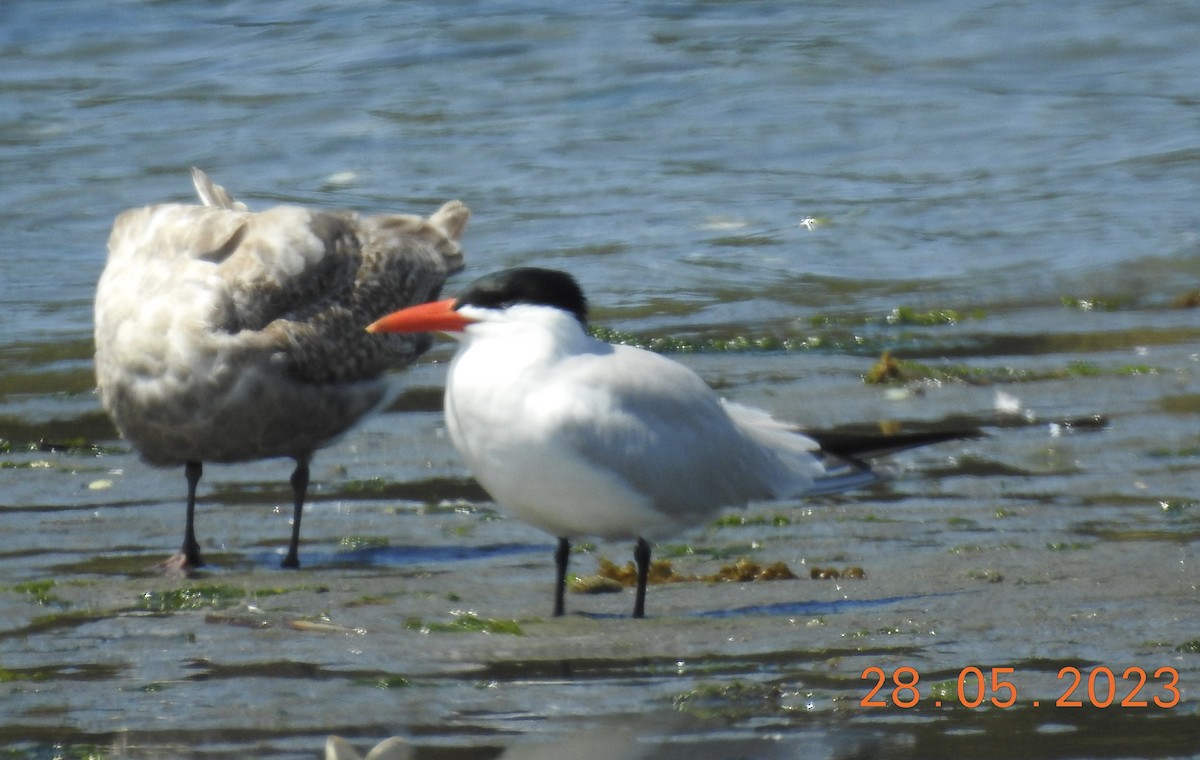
point(224, 335)
point(580, 437)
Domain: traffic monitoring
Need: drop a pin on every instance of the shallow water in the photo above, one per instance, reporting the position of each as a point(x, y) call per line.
point(1002, 194)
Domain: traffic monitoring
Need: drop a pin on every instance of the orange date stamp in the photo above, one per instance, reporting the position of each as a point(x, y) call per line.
point(1098, 687)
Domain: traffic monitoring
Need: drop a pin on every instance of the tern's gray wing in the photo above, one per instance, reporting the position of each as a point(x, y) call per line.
point(657, 423)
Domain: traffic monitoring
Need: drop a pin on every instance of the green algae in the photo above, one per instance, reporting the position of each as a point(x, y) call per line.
point(428, 491)
point(387, 682)
point(676, 345)
point(38, 592)
point(361, 543)
point(1185, 403)
point(743, 521)
point(198, 597)
point(905, 315)
point(1095, 303)
point(467, 622)
point(730, 700)
point(891, 370)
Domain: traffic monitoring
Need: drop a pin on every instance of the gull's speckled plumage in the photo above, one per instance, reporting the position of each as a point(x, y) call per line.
point(225, 335)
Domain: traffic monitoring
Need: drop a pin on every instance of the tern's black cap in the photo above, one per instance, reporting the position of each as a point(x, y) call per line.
point(526, 285)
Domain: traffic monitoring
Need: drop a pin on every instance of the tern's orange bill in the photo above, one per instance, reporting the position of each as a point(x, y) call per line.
point(438, 316)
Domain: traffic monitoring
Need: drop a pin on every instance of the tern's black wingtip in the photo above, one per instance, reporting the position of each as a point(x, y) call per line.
point(868, 445)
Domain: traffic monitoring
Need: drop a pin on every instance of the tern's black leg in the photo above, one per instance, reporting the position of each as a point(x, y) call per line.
point(299, 489)
point(191, 548)
point(562, 555)
point(641, 556)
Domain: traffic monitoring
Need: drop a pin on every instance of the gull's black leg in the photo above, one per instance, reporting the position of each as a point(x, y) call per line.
point(299, 489)
point(641, 556)
point(562, 555)
point(191, 548)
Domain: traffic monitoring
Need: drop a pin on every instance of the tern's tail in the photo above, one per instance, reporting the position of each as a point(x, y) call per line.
point(824, 462)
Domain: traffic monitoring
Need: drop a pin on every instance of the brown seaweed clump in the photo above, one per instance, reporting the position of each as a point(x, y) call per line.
point(611, 577)
point(833, 574)
point(887, 369)
point(744, 571)
point(1189, 300)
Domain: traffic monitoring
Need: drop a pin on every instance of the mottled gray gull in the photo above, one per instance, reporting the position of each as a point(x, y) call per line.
point(226, 335)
